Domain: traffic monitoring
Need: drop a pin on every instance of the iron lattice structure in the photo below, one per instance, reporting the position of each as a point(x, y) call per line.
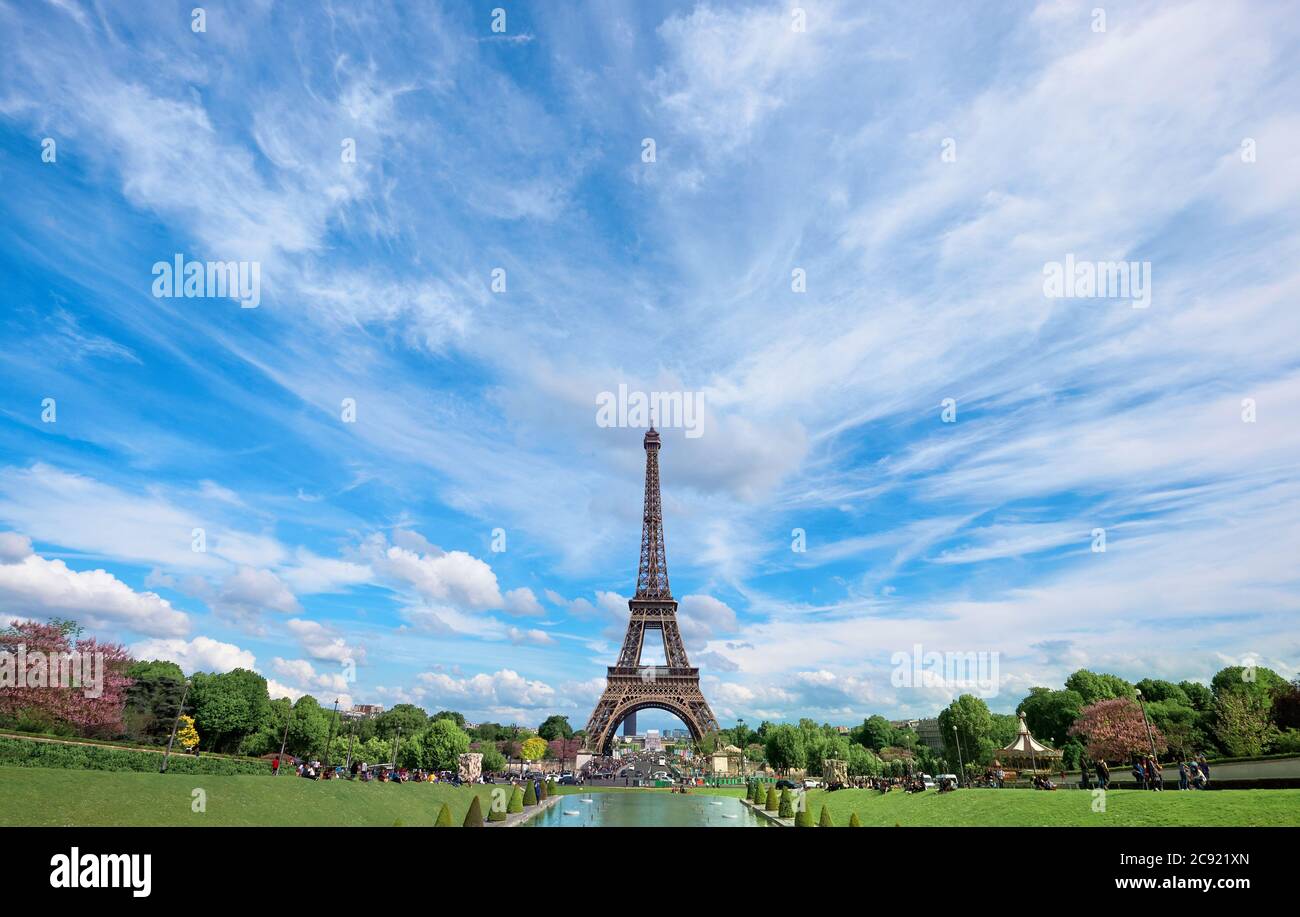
point(629, 685)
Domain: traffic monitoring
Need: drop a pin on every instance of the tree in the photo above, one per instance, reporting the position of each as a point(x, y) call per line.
point(555, 727)
point(1243, 725)
point(1250, 679)
point(309, 727)
point(786, 805)
point(229, 707)
point(37, 707)
point(442, 744)
point(186, 734)
point(152, 700)
point(803, 818)
point(773, 802)
point(533, 749)
point(854, 821)
point(862, 763)
point(1199, 697)
point(1093, 686)
point(876, 733)
point(530, 794)
point(444, 817)
point(452, 715)
point(1286, 706)
point(1157, 690)
point(974, 728)
point(493, 761)
point(1050, 714)
point(784, 747)
point(825, 820)
point(411, 718)
point(1115, 730)
point(474, 817)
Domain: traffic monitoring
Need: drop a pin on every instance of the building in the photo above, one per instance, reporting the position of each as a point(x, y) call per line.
point(366, 709)
point(927, 730)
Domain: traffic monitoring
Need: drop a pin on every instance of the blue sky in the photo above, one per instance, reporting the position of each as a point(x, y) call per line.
point(776, 149)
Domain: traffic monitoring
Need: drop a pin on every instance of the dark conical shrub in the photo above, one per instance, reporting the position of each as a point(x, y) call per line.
point(760, 793)
point(773, 802)
point(787, 805)
point(854, 821)
point(474, 817)
point(495, 814)
point(803, 819)
point(825, 820)
point(530, 795)
point(444, 817)
point(516, 803)
point(546, 789)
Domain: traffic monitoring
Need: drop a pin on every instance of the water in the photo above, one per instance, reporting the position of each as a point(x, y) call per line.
point(646, 809)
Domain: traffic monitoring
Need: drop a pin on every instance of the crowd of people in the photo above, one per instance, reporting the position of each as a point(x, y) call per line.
point(365, 772)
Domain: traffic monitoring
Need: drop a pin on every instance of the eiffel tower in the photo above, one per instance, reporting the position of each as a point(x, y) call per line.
point(630, 686)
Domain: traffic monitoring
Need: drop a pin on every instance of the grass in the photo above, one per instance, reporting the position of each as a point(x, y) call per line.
point(43, 796)
point(1064, 808)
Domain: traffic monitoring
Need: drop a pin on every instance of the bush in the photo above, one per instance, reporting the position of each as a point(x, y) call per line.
point(474, 817)
point(787, 805)
point(546, 790)
point(772, 803)
point(803, 819)
point(495, 814)
point(25, 753)
point(530, 794)
point(760, 794)
point(854, 821)
point(825, 820)
point(444, 817)
point(516, 803)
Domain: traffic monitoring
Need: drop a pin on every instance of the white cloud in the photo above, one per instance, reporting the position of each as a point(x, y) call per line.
point(202, 654)
point(522, 601)
point(44, 587)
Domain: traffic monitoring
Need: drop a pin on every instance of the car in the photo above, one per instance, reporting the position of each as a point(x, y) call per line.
point(811, 784)
point(784, 784)
point(568, 780)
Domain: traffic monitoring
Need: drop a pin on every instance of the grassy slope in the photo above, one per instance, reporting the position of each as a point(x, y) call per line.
point(1063, 808)
point(47, 796)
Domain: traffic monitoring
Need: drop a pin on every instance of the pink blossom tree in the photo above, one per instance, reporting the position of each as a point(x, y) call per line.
point(1114, 729)
point(58, 703)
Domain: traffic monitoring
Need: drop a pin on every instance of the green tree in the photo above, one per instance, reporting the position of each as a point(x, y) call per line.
point(854, 821)
point(786, 806)
point(152, 700)
point(784, 747)
point(1243, 725)
point(876, 733)
point(555, 727)
point(409, 717)
point(1094, 686)
point(444, 817)
point(452, 715)
point(1050, 714)
point(309, 726)
point(516, 803)
point(773, 802)
point(530, 794)
point(229, 707)
point(442, 744)
point(493, 761)
point(1199, 697)
point(825, 820)
point(974, 728)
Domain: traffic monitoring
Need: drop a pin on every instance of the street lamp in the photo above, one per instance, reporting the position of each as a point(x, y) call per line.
point(960, 767)
point(285, 739)
point(1146, 723)
point(175, 724)
point(334, 718)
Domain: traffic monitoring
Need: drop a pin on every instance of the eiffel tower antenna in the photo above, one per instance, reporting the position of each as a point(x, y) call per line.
point(630, 686)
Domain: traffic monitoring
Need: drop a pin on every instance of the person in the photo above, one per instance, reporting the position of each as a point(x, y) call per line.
point(1183, 775)
point(1139, 774)
point(1205, 769)
point(275, 766)
point(1103, 774)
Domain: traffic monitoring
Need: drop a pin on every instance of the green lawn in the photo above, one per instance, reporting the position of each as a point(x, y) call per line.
point(48, 796)
point(1124, 808)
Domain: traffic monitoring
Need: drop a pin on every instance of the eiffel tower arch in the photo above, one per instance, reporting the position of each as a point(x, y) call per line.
point(629, 685)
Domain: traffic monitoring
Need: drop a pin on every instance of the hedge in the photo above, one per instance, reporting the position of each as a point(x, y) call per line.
point(26, 753)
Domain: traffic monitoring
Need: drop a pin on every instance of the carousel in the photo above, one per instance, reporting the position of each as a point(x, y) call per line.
point(1025, 753)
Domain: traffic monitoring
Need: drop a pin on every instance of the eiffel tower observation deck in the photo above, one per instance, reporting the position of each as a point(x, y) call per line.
point(629, 685)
